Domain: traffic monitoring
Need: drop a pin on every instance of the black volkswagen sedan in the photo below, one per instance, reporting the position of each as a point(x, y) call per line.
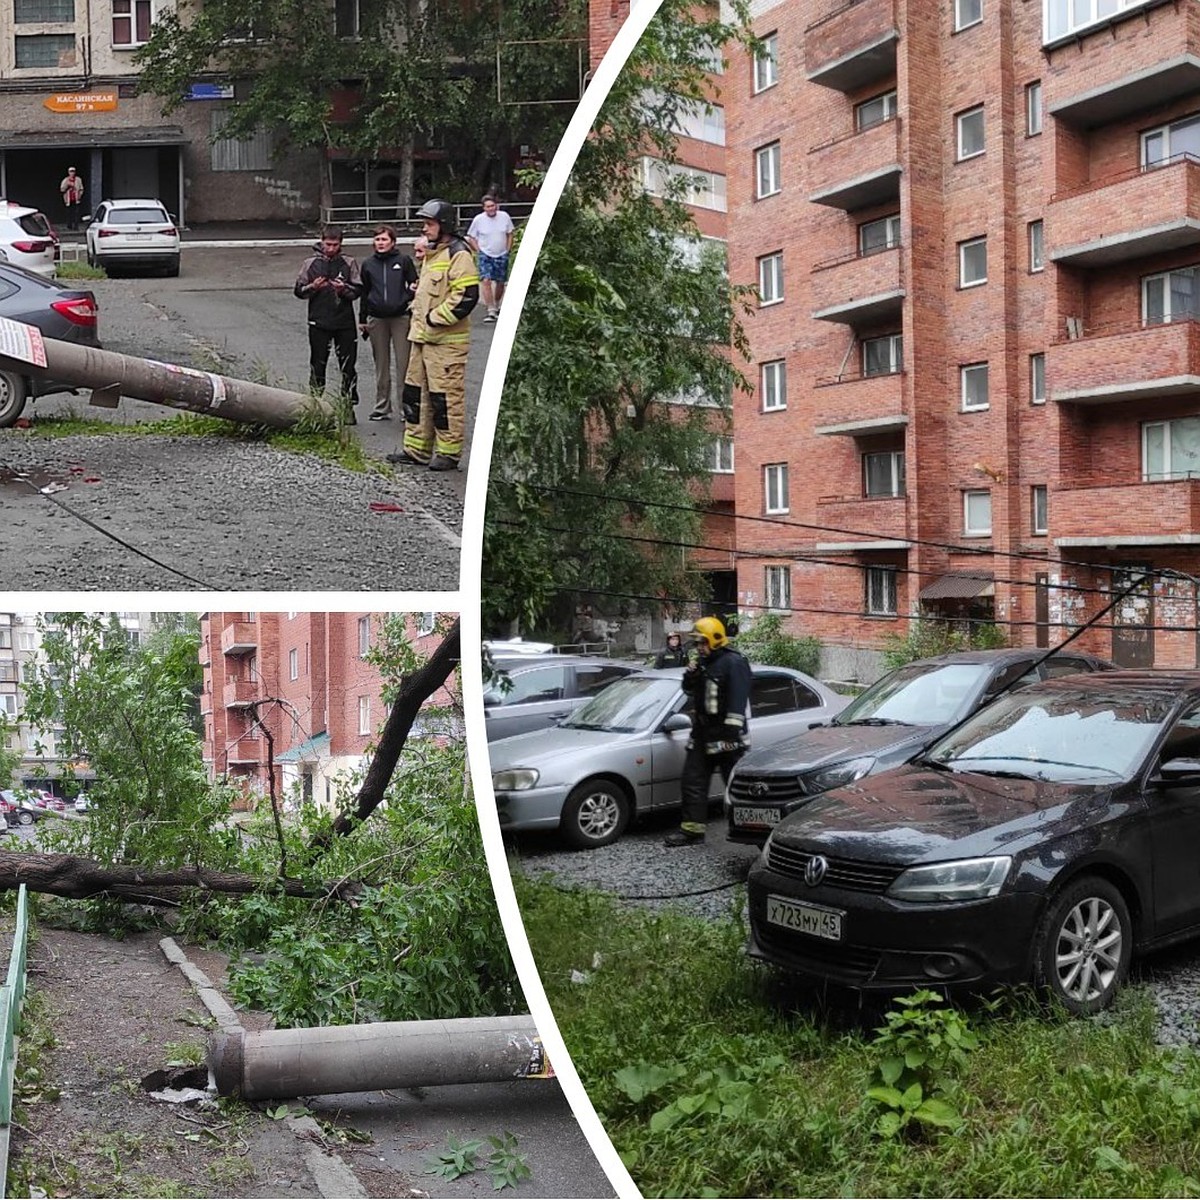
point(1048, 839)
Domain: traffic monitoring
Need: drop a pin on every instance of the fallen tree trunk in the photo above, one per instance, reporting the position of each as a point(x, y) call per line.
point(79, 878)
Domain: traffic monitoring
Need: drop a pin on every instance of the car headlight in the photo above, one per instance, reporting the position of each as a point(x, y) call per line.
point(966, 879)
point(516, 779)
point(837, 775)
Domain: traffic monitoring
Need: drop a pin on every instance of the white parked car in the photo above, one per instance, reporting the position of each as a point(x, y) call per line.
point(27, 239)
point(133, 233)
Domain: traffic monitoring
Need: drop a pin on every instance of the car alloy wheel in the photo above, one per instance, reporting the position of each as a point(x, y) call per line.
point(1085, 945)
point(12, 398)
point(595, 814)
point(25, 817)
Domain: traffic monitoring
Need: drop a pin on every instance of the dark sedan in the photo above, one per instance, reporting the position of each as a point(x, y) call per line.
point(1049, 838)
point(65, 313)
point(892, 722)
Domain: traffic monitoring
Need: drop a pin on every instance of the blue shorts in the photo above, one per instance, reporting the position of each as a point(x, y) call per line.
point(493, 268)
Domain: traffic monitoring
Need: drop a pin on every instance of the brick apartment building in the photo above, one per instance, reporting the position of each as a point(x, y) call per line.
point(975, 231)
point(314, 663)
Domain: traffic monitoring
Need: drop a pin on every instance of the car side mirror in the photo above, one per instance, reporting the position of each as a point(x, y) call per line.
point(490, 700)
point(1178, 771)
point(676, 723)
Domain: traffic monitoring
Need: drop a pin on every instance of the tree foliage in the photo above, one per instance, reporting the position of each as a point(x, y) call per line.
point(621, 375)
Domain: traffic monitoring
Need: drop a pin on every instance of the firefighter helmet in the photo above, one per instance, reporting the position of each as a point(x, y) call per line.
point(711, 631)
point(442, 212)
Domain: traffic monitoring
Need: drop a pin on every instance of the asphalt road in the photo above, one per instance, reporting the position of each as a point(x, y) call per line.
point(218, 513)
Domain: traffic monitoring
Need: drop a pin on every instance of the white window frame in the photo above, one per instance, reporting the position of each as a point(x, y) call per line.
point(364, 715)
point(364, 636)
point(1034, 118)
point(719, 456)
point(975, 498)
point(701, 188)
point(770, 279)
point(970, 373)
point(888, 102)
point(766, 62)
point(963, 248)
point(357, 21)
point(294, 663)
point(1037, 378)
point(772, 385)
point(879, 591)
point(891, 231)
point(776, 499)
point(1039, 510)
point(777, 588)
point(1059, 16)
point(967, 13)
point(768, 162)
point(132, 17)
point(1169, 473)
point(895, 468)
point(1037, 246)
point(1164, 277)
point(8, 705)
point(426, 623)
point(1163, 135)
point(895, 354)
point(961, 128)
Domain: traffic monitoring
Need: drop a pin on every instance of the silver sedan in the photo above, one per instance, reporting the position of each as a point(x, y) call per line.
point(621, 754)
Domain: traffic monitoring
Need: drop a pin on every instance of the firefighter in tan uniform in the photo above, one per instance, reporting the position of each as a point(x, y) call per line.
point(434, 396)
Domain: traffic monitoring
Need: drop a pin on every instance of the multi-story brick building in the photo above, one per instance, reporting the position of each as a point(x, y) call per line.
point(330, 704)
point(974, 231)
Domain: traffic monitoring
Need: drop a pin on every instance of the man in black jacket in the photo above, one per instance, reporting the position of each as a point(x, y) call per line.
point(719, 685)
point(389, 278)
point(330, 282)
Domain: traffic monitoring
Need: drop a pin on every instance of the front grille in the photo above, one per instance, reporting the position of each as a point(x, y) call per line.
point(854, 964)
point(765, 789)
point(848, 873)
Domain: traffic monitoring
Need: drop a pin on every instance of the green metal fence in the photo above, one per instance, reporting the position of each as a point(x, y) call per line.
point(12, 1000)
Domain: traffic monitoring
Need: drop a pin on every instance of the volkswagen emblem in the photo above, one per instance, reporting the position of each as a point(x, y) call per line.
point(814, 870)
point(758, 788)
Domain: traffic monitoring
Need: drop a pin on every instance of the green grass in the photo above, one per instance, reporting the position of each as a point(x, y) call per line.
point(1051, 1106)
point(79, 270)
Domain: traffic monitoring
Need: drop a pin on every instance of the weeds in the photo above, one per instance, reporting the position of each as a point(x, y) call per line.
point(502, 1163)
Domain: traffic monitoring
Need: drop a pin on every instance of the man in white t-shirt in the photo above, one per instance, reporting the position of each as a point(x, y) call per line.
point(490, 235)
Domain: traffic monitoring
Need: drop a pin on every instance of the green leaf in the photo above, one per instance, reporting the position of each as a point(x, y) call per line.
point(644, 1079)
point(938, 1112)
point(891, 1069)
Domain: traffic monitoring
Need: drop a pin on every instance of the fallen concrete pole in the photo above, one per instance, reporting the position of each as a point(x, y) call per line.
point(110, 376)
point(280, 1064)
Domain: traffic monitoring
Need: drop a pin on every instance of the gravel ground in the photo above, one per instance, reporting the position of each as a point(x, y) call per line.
point(228, 514)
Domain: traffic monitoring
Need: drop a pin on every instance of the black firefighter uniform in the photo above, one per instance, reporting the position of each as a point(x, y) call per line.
point(447, 291)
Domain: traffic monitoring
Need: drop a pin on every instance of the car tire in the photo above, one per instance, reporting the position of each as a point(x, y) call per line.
point(595, 814)
point(1084, 945)
point(24, 817)
point(91, 257)
point(13, 394)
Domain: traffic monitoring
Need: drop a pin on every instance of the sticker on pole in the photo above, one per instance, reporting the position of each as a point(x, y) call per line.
point(22, 342)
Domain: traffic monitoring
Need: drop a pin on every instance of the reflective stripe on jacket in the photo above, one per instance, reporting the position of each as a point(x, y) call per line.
point(447, 291)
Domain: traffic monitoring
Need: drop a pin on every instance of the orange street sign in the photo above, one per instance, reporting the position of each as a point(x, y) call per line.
point(81, 102)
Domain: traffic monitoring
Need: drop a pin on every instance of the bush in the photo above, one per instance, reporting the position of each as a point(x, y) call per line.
point(768, 643)
point(926, 638)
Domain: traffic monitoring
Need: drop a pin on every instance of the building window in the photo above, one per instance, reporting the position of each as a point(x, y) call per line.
point(977, 513)
point(45, 50)
point(1037, 248)
point(691, 185)
point(972, 262)
point(1171, 449)
point(967, 13)
point(234, 154)
point(970, 133)
point(26, 12)
point(719, 456)
point(8, 671)
point(426, 623)
point(1168, 142)
point(1033, 107)
point(1037, 379)
point(883, 473)
point(766, 170)
point(364, 636)
point(699, 120)
point(346, 18)
point(1171, 296)
point(773, 385)
point(974, 386)
point(883, 234)
point(131, 22)
point(775, 487)
point(766, 63)
point(881, 591)
point(294, 664)
point(883, 355)
point(364, 714)
point(777, 583)
point(770, 278)
point(1038, 496)
point(875, 111)
point(1066, 17)
point(8, 704)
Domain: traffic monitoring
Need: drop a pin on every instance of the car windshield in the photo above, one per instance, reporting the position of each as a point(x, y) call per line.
point(918, 694)
point(627, 706)
point(1064, 735)
point(136, 216)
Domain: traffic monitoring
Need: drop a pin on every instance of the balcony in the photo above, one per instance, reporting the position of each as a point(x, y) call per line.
point(858, 170)
point(1163, 513)
point(246, 750)
point(240, 693)
point(1141, 212)
point(241, 637)
point(858, 289)
point(1131, 363)
point(861, 406)
point(852, 46)
point(861, 523)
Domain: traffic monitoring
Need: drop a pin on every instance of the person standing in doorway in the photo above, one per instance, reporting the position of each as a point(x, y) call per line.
point(71, 190)
point(490, 235)
point(388, 279)
point(330, 282)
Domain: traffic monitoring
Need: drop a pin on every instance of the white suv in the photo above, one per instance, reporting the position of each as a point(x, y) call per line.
point(27, 239)
point(133, 233)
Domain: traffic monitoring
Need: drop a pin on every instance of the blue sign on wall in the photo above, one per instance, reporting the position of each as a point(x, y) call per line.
point(209, 91)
